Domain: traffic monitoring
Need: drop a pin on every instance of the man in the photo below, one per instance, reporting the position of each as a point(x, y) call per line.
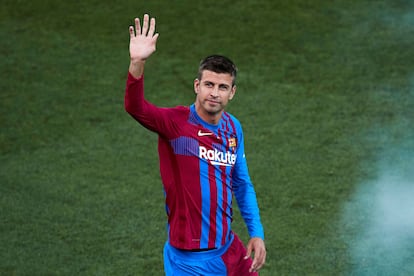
point(202, 164)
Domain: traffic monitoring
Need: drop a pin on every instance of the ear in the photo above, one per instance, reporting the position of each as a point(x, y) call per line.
point(232, 92)
point(196, 86)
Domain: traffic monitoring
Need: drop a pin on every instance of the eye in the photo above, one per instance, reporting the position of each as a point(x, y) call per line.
point(223, 87)
point(208, 84)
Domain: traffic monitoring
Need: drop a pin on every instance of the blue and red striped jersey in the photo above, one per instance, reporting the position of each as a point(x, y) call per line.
point(201, 166)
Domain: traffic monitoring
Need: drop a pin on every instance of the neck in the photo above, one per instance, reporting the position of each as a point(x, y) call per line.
point(210, 118)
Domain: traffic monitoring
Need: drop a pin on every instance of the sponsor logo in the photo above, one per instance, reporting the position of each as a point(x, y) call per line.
point(200, 133)
point(216, 157)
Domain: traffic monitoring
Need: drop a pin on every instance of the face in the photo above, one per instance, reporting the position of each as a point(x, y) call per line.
point(214, 91)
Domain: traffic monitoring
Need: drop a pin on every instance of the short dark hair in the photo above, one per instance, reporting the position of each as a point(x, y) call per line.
point(218, 64)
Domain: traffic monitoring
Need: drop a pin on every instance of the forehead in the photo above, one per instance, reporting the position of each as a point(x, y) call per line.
point(218, 78)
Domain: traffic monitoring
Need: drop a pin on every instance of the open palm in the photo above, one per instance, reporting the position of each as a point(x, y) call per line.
point(142, 40)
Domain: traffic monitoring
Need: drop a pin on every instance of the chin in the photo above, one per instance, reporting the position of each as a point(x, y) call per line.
point(214, 111)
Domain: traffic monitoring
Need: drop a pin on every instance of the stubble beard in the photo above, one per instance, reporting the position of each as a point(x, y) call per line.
point(213, 109)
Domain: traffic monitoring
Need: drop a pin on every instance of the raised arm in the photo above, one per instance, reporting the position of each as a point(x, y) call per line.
point(142, 44)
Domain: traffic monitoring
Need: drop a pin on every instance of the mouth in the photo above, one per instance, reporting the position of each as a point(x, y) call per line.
point(212, 102)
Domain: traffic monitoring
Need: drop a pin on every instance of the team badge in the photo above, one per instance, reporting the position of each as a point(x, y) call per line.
point(232, 142)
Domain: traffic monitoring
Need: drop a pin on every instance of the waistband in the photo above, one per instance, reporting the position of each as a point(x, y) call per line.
point(197, 255)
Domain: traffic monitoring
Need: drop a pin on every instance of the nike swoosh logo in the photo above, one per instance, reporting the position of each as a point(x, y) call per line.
point(200, 133)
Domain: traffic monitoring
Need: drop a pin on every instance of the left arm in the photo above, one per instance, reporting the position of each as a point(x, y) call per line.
point(246, 200)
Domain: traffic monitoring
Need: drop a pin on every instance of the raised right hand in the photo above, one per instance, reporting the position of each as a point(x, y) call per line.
point(142, 41)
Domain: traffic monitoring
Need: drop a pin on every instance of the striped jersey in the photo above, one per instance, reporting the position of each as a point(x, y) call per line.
point(201, 167)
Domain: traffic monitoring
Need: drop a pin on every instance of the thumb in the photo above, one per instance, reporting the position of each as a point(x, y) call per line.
point(155, 38)
point(248, 251)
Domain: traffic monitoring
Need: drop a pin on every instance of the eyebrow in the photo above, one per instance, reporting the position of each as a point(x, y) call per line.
point(221, 84)
point(224, 85)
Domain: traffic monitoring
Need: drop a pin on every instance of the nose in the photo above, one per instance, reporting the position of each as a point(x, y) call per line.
point(215, 92)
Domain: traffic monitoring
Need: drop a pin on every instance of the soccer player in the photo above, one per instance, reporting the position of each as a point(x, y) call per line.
point(202, 165)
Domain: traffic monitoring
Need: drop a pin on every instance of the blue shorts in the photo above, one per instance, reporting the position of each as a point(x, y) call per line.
point(226, 260)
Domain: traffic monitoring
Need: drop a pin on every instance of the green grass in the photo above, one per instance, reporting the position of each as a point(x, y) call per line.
point(325, 92)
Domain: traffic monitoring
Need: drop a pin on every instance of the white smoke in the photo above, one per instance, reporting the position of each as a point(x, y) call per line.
point(379, 219)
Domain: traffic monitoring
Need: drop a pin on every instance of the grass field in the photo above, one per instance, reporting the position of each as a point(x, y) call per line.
point(325, 95)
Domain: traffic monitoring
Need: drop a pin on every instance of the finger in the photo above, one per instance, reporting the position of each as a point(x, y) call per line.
point(248, 251)
point(131, 31)
point(152, 27)
point(259, 260)
point(145, 24)
point(155, 37)
point(137, 26)
point(254, 265)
